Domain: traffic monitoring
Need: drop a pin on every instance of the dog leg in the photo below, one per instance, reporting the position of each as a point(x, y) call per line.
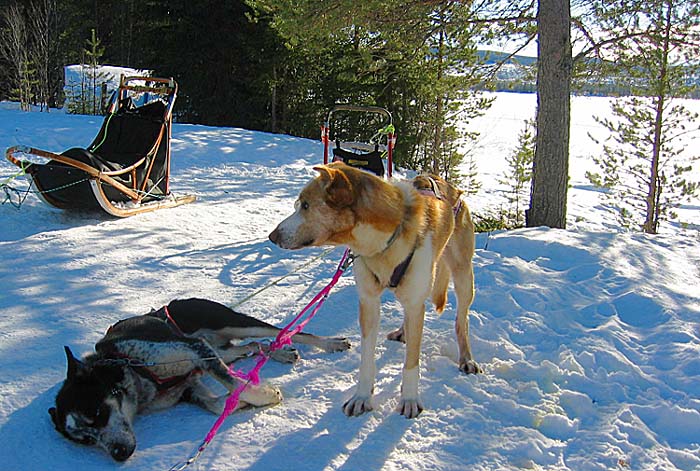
point(200, 395)
point(283, 355)
point(410, 405)
point(438, 295)
point(332, 344)
point(229, 353)
point(261, 395)
point(463, 275)
point(221, 337)
point(361, 401)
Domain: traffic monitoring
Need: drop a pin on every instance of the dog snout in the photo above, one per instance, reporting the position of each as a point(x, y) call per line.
point(121, 452)
point(288, 239)
point(275, 236)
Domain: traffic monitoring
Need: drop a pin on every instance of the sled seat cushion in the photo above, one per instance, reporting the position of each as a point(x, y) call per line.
point(93, 160)
point(372, 161)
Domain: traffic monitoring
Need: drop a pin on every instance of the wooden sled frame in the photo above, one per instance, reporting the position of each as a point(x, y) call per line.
point(163, 87)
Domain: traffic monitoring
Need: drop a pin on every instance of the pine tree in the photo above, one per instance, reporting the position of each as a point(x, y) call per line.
point(554, 74)
point(420, 66)
point(518, 177)
point(95, 77)
point(644, 168)
point(645, 164)
point(470, 184)
point(86, 97)
point(24, 91)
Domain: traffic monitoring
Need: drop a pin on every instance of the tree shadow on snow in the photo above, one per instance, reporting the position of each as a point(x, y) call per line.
point(346, 443)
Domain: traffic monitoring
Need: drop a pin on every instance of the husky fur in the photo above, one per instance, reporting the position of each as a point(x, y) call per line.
point(386, 224)
point(154, 361)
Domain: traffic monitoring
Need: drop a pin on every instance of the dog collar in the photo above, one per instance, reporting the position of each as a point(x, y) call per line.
point(393, 237)
point(400, 270)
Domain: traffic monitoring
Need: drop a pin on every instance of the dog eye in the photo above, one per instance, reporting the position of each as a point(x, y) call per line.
point(76, 422)
point(304, 205)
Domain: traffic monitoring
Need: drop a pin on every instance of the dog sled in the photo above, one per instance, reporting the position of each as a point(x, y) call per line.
point(369, 155)
point(126, 168)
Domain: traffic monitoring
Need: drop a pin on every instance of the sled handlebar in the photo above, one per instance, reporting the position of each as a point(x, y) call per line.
point(363, 109)
point(168, 85)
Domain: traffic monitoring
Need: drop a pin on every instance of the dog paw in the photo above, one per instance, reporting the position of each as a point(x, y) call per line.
point(337, 344)
point(410, 408)
point(396, 336)
point(286, 355)
point(262, 395)
point(357, 405)
point(470, 367)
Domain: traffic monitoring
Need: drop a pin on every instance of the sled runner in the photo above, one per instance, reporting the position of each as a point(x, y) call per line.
point(367, 156)
point(126, 169)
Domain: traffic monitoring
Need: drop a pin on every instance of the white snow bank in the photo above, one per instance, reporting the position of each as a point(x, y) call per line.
point(590, 340)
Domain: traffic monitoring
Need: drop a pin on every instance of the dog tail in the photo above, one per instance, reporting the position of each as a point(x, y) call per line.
point(442, 280)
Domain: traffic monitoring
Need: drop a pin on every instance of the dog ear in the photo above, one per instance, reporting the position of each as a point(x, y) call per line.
point(75, 366)
point(326, 174)
point(54, 418)
point(337, 185)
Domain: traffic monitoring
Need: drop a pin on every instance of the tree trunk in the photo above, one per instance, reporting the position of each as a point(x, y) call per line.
point(550, 170)
point(651, 222)
point(13, 48)
point(273, 100)
point(439, 118)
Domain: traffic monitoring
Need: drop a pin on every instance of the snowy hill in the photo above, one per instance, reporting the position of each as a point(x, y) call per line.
point(589, 337)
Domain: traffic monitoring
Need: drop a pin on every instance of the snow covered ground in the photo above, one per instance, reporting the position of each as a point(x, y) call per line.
point(589, 337)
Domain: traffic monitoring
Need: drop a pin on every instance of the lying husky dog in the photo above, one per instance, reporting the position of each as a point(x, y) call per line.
point(154, 361)
point(404, 240)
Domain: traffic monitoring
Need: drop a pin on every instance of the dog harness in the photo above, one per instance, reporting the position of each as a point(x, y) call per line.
point(284, 337)
point(162, 384)
point(400, 270)
point(165, 384)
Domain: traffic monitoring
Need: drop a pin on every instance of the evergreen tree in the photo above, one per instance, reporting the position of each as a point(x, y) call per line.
point(470, 183)
point(518, 177)
point(550, 172)
point(24, 92)
point(95, 78)
point(87, 96)
point(645, 173)
point(645, 165)
point(419, 65)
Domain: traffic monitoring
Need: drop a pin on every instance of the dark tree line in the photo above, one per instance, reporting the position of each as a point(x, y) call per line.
point(236, 68)
point(222, 60)
point(280, 65)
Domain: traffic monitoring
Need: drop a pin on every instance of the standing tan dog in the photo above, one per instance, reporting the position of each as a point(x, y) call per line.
point(403, 240)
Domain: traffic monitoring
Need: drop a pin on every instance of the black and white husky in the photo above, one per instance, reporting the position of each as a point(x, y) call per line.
point(154, 361)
